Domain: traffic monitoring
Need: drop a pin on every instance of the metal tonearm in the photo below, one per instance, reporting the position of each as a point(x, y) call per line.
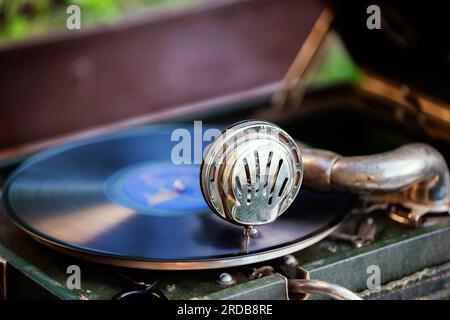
point(410, 182)
point(253, 172)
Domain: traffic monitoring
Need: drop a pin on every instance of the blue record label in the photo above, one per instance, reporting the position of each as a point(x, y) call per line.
point(157, 189)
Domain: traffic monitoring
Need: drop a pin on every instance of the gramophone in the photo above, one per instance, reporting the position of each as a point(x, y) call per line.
point(324, 185)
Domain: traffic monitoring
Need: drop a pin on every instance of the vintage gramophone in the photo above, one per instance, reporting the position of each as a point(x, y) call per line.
point(383, 201)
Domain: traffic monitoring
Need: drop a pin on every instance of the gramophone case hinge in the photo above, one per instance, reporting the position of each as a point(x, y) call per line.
point(3, 279)
point(297, 78)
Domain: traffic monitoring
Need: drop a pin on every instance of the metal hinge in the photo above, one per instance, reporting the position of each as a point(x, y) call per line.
point(3, 279)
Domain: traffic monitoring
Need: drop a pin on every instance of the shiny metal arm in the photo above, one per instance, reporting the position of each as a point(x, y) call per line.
point(413, 180)
point(312, 286)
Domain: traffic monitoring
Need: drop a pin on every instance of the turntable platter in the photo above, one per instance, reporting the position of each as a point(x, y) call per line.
point(119, 199)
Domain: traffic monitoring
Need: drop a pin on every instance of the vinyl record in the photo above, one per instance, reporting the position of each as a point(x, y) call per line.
point(119, 199)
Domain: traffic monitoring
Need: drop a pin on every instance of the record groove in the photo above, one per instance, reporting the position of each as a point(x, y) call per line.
point(69, 198)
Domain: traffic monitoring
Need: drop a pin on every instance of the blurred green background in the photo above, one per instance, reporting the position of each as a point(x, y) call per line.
point(21, 19)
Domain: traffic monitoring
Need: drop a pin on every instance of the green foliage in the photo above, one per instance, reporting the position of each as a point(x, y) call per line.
point(335, 65)
point(26, 18)
point(17, 27)
point(98, 10)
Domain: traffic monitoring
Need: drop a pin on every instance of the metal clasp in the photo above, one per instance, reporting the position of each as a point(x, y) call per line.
point(303, 286)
